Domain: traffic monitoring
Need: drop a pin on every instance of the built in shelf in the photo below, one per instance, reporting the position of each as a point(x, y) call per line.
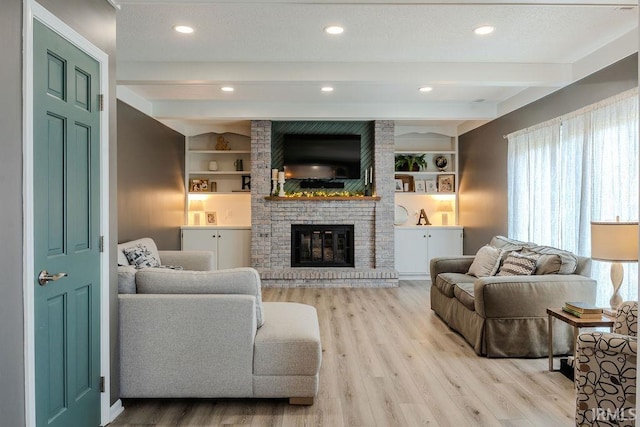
point(319, 198)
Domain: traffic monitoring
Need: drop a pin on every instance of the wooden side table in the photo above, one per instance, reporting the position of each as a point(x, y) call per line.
point(577, 323)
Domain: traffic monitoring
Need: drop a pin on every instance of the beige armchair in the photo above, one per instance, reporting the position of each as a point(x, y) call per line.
point(605, 373)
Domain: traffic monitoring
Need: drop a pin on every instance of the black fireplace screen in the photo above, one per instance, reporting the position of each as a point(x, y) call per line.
point(322, 246)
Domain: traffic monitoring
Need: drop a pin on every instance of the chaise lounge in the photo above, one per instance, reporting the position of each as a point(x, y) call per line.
point(207, 334)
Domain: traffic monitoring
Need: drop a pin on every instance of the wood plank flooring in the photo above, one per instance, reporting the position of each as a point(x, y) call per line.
point(387, 361)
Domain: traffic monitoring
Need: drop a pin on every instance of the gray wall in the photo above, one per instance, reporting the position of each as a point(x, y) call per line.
point(95, 19)
point(483, 151)
point(151, 191)
point(11, 312)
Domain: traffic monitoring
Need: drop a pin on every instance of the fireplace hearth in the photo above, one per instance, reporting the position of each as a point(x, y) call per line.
point(321, 245)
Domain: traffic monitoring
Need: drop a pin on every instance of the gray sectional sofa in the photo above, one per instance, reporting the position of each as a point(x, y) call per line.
point(505, 316)
point(207, 334)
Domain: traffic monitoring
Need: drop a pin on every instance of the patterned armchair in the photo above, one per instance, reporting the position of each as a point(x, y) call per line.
point(605, 373)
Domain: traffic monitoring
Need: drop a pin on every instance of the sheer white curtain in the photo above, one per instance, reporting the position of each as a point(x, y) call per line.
point(564, 173)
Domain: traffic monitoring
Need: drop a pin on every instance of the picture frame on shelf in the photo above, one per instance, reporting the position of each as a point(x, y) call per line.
point(197, 185)
point(430, 186)
point(446, 183)
point(408, 184)
point(213, 186)
point(420, 186)
point(399, 185)
point(211, 218)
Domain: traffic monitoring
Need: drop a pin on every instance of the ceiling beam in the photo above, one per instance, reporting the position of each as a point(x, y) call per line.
point(460, 73)
point(607, 3)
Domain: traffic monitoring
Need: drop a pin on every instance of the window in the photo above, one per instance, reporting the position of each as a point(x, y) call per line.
point(566, 172)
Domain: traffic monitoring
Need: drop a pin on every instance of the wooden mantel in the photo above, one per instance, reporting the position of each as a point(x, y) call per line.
point(327, 198)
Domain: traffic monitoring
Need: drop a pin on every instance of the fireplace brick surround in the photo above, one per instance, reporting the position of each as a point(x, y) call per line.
point(372, 221)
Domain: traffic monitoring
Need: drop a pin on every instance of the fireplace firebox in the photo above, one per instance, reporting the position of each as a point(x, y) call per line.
point(321, 245)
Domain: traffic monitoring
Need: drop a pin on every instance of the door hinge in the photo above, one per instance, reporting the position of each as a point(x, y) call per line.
point(101, 244)
point(101, 102)
point(101, 384)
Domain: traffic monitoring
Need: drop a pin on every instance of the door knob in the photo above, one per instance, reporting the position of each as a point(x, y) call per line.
point(44, 277)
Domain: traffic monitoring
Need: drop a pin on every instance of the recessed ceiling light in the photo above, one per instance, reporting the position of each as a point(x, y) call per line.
point(184, 29)
point(227, 89)
point(426, 89)
point(327, 89)
point(484, 30)
point(334, 29)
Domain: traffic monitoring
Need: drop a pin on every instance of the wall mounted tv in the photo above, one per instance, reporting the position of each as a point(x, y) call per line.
point(321, 156)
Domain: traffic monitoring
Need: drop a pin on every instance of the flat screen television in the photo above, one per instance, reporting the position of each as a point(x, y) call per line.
point(321, 156)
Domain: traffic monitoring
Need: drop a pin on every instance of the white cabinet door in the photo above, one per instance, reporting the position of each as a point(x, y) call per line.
point(201, 240)
point(411, 251)
point(444, 242)
point(234, 248)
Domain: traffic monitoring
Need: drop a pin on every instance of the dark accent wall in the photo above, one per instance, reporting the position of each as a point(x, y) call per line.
point(483, 151)
point(151, 191)
point(96, 21)
point(362, 128)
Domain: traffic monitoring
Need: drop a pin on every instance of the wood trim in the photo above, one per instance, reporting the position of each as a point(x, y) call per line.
point(343, 198)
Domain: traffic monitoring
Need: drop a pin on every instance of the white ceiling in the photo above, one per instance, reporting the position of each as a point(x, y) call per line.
point(276, 56)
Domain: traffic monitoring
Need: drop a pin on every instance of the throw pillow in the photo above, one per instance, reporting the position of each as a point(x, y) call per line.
point(486, 262)
point(518, 265)
point(141, 257)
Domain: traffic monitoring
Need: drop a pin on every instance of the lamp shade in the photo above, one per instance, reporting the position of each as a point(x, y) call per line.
point(614, 241)
point(445, 206)
point(196, 205)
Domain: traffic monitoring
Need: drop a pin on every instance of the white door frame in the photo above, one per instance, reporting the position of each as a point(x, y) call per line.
point(34, 10)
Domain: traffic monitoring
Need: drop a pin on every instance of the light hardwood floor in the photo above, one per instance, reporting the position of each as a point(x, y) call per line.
point(387, 361)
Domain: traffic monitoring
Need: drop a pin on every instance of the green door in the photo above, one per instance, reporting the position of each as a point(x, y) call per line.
point(66, 206)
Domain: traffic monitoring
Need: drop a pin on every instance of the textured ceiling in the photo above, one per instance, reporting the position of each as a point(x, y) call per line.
point(277, 57)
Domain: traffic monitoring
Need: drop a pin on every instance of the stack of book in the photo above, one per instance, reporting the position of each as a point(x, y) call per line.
point(582, 310)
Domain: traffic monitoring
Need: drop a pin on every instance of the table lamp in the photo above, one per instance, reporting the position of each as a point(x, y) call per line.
point(445, 207)
point(196, 206)
point(616, 242)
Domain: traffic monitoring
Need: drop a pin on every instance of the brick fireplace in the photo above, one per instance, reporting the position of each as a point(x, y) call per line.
point(371, 219)
point(322, 245)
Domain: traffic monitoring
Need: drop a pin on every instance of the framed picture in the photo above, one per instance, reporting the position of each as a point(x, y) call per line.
point(430, 186)
point(420, 186)
point(198, 185)
point(211, 218)
point(408, 183)
point(213, 186)
point(446, 183)
point(399, 185)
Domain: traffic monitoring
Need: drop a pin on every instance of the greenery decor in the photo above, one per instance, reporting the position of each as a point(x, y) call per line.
point(321, 193)
point(410, 162)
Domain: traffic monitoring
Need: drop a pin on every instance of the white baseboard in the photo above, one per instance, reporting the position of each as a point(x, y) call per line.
point(116, 409)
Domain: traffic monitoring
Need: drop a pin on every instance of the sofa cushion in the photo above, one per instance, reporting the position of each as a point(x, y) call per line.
point(127, 279)
point(553, 260)
point(445, 282)
point(486, 262)
point(517, 264)
point(234, 281)
point(464, 294)
point(289, 343)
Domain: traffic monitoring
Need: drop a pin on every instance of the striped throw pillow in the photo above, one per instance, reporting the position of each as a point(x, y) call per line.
point(518, 265)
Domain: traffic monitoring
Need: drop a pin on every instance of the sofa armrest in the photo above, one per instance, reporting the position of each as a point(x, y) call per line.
point(189, 260)
point(186, 345)
point(459, 264)
point(529, 296)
